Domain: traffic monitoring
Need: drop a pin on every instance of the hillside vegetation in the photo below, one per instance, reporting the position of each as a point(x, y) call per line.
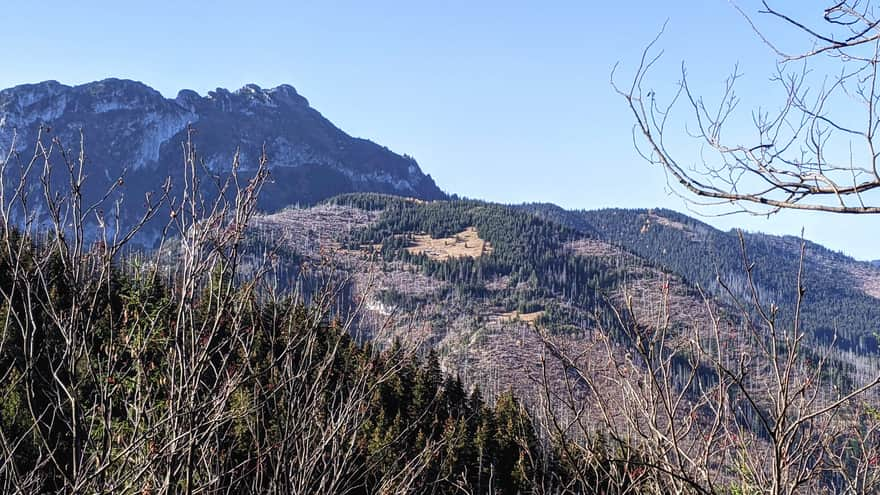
point(840, 303)
point(378, 344)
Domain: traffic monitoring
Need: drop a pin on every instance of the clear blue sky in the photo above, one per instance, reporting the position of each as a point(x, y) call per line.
point(502, 100)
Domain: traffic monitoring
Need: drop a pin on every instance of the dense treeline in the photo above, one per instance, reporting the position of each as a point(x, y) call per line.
point(528, 248)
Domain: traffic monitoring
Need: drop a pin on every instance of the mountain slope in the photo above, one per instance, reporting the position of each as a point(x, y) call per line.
point(474, 279)
point(841, 293)
point(484, 283)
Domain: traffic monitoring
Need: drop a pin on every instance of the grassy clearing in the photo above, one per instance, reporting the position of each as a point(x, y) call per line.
point(465, 243)
point(512, 316)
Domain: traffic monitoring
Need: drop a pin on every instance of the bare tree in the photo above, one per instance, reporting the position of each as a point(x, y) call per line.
point(740, 401)
point(735, 402)
point(816, 149)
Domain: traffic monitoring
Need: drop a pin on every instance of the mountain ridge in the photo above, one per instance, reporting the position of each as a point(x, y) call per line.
point(131, 129)
point(842, 293)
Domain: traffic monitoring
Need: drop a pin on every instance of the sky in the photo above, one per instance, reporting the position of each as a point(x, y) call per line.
point(506, 101)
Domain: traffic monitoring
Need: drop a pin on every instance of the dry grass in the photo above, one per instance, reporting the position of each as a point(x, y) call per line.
point(465, 243)
point(312, 232)
point(593, 248)
point(512, 316)
point(695, 232)
point(867, 278)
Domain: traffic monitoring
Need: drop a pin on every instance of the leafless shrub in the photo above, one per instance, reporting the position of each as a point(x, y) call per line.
point(188, 374)
point(816, 149)
point(732, 403)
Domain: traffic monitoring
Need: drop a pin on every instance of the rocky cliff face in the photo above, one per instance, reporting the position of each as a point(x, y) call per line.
point(129, 127)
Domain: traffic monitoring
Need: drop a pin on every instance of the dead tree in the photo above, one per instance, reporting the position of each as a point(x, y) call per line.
point(739, 402)
point(199, 378)
point(816, 149)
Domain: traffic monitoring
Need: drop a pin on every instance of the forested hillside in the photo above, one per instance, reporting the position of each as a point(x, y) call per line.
point(523, 271)
point(577, 323)
point(376, 344)
point(265, 396)
point(527, 252)
point(840, 301)
point(186, 369)
point(379, 344)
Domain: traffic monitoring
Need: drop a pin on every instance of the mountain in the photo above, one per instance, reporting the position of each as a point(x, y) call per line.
point(841, 298)
point(476, 279)
point(130, 127)
point(473, 279)
point(616, 317)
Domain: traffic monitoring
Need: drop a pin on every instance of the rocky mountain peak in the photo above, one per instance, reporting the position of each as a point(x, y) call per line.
point(131, 127)
point(26, 95)
point(119, 94)
point(287, 94)
point(188, 99)
point(253, 95)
